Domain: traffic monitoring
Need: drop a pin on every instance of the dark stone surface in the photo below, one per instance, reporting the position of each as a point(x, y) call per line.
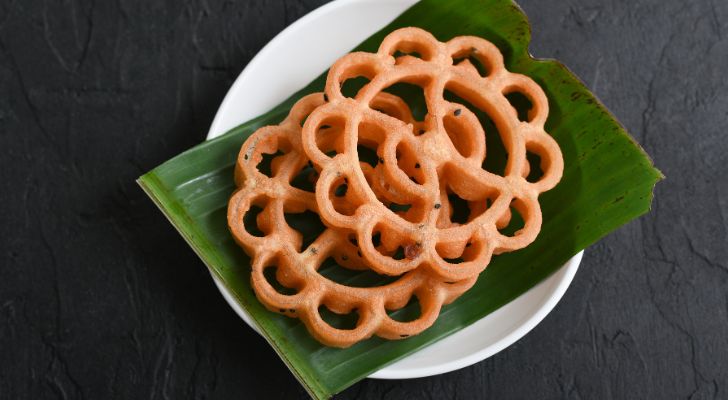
point(100, 298)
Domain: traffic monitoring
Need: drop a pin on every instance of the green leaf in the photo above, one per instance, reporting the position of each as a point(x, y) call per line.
point(608, 181)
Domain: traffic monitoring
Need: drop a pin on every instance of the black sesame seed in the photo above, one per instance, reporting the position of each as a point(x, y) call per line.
point(325, 127)
point(381, 160)
point(417, 165)
point(282, 310)
point(422, 131)
point(468, 245)
point(353, 241)
point(457, 112)
point(326, 98)
point(344, 257)
point(291, 310)
point(245, 157)
point(437, 206)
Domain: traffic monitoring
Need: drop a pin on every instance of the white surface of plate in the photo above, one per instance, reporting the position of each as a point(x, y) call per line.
point(290, 61)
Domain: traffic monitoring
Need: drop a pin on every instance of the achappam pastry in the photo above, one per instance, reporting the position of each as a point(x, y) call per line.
point(422, 163)
point(277, 244)
point(419, 164)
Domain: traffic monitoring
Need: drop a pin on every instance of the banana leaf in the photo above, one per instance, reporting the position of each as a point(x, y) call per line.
point(608, 181)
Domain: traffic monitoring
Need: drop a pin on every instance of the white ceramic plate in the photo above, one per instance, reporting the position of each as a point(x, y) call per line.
point(290, 61)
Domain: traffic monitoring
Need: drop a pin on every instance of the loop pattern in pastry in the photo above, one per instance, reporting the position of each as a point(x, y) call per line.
point(278, 245)
point(421, 163)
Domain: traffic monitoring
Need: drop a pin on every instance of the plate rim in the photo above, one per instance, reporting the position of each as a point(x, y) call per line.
point(568, 270)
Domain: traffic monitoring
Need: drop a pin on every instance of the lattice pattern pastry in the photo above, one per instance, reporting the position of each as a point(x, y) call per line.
point(422, 163)
point(278, 245)
point(392, 213)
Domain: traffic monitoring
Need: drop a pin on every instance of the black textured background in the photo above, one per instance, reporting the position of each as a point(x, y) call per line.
point(101, 299)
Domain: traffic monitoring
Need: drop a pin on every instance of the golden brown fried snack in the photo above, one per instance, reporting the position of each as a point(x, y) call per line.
point(278, 245)
point(422, 163)
point(393, 215)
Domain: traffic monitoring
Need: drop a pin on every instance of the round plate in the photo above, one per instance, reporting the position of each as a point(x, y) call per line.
point(290, 61)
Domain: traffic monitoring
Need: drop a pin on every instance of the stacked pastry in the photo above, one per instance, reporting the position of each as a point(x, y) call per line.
point(394, 213)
